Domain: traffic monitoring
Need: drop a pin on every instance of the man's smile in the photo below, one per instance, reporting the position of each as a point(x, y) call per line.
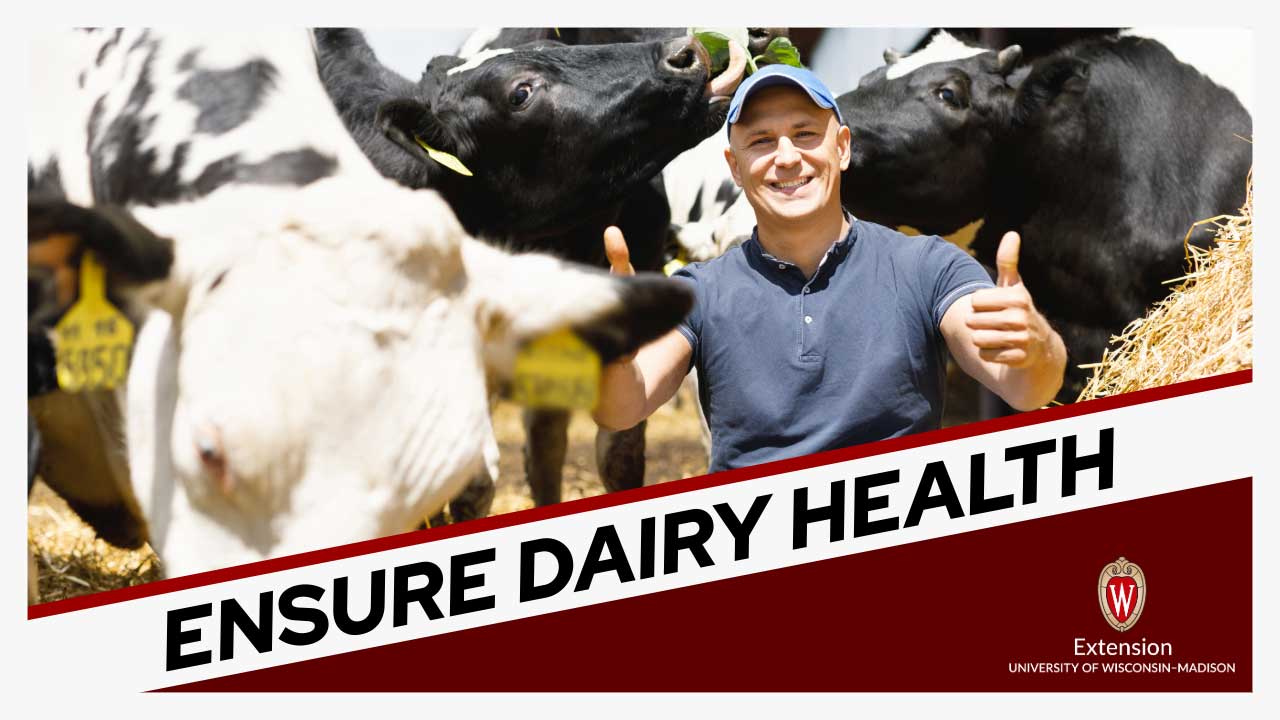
point(790, 186)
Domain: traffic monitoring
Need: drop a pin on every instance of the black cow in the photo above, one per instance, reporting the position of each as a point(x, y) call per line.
point(1102, 155)
point(562, 141)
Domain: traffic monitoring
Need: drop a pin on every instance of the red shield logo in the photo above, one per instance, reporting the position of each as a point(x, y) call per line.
point(1122, 592)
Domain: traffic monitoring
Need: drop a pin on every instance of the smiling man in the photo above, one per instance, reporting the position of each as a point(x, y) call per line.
point(824, 331)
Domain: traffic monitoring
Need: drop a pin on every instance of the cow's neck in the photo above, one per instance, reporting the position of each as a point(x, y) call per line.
point(581, 240)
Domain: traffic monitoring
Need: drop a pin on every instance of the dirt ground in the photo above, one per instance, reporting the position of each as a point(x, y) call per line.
point(72, 561)
point(673, 450)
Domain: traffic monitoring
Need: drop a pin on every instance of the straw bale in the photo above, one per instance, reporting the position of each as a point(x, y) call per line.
point(1204, 327)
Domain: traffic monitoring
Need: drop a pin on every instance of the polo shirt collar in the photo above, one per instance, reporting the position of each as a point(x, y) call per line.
point(838, 248)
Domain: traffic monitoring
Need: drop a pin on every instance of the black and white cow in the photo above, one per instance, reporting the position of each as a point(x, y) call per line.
point(562, 141)
point(555, 136)
point(1101, 155)
point(313, 340)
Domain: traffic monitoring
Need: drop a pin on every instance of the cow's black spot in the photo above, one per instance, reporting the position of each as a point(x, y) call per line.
point(295, 167)
point(227, 98)
point(94, 123)
point(727, 193)
point(107, 46)
point(80, 80)
point(695, 212)
point(141, 42)
point(188, 60)
point(45, 181)
point(121, 171)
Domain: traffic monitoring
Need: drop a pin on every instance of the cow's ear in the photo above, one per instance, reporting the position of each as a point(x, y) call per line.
point(411, 125)
point(1055, 82)
point(521, 297)
point(58, 233)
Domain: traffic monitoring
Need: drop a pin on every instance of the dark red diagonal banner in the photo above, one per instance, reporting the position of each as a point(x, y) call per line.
point(1001, 609)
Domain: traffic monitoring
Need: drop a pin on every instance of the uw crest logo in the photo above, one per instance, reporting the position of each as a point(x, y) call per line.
point(1122, 592)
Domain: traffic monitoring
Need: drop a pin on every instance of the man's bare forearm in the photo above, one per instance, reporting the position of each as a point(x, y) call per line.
point(622, 400)
point(630, 390)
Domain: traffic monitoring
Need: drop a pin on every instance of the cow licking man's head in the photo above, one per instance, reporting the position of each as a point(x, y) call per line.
point(557, 131)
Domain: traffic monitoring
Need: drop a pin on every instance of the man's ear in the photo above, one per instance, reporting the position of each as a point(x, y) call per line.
point(844, 145)
point(733, 165)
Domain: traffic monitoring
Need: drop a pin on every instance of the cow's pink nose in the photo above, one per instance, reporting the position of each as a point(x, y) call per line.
point(208, 443)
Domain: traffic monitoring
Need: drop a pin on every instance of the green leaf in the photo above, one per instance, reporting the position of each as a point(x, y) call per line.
point(781, 51)
point(717, 46)
point(716, 41)
point(729, 33)
point(444, 158)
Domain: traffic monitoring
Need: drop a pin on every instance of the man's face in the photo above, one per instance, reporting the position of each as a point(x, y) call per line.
point(787, 154)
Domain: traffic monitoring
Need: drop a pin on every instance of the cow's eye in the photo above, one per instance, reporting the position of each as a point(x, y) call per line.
point(520, 95)
point(949, 96)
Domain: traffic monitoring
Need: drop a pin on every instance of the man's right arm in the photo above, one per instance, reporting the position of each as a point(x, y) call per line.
point(632, 388)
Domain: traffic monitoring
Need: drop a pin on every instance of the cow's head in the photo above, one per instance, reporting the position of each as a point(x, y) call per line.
point(553, 132)
point(305, 375)
point(924, 127)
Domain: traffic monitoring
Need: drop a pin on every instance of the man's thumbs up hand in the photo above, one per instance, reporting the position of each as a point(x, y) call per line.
point(1005, 325)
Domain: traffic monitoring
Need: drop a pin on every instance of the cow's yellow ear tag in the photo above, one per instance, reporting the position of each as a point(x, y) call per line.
point(93, 338)
point(444, 158)
point(677, 262)
point(558, 370)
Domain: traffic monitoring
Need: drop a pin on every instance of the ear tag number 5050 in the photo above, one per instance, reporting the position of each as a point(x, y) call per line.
point(93, 339)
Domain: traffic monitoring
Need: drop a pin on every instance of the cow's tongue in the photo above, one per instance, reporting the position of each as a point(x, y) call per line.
point(726, 82)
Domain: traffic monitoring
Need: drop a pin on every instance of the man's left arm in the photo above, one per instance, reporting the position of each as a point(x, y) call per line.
point(1000, 339)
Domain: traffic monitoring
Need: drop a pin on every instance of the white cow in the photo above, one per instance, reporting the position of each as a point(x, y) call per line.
point(311, 369)
point(709, 213)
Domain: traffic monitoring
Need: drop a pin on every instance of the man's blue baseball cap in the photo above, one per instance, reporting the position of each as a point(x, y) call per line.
point(779, 74)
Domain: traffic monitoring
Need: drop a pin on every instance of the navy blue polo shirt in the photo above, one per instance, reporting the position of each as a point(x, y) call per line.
point(790, 366)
